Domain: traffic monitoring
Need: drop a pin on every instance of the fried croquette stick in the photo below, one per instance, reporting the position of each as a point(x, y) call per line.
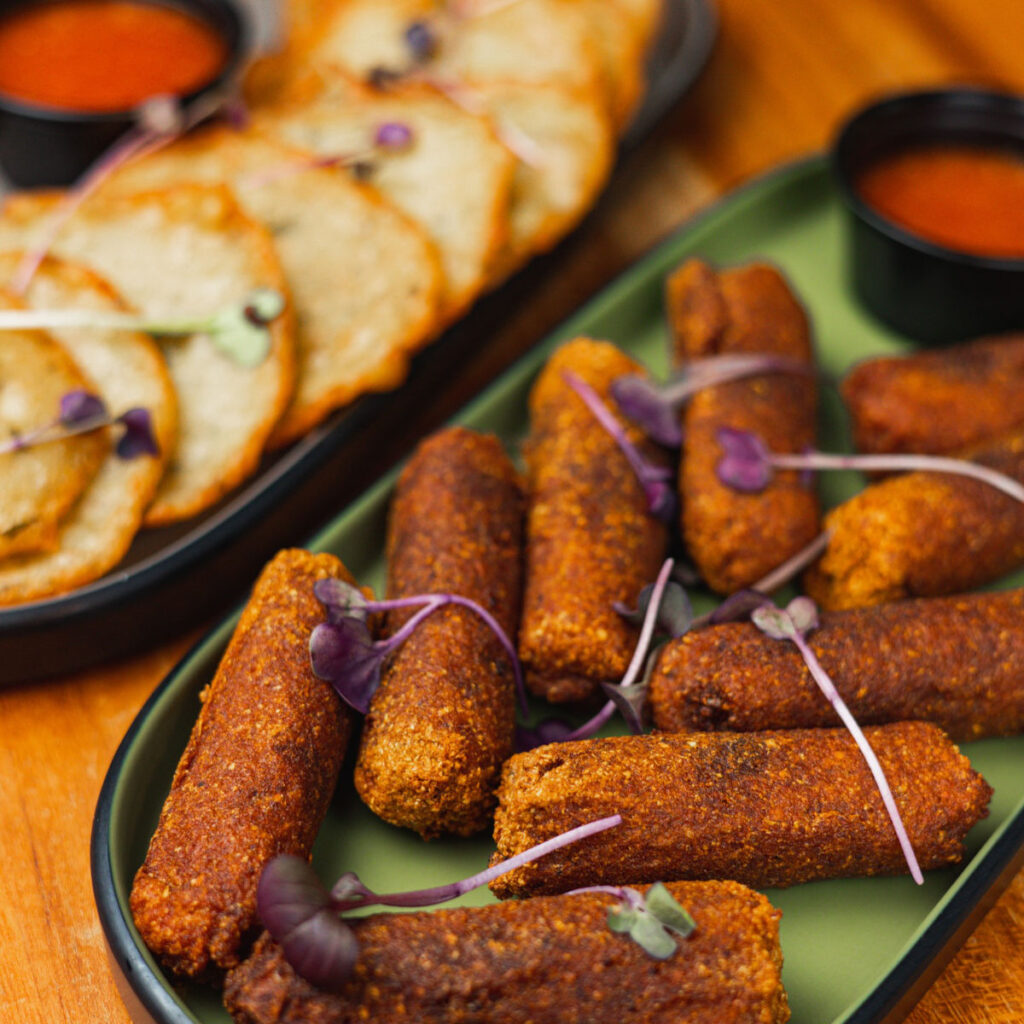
point(736, 539)
point(957, 662)
point(443, 720)
point(551, 960)
point(591, 539)
point(255, 779)
point(923, 534)
point(937, 400)
point(765, 809)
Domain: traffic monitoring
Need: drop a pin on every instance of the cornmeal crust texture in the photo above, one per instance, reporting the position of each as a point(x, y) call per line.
point(766, 809)
point(443, 719)
point(955, 661)
point(591, 541)
point(255, 779)
point(923, 534)
point(937, 400)
point(552, 960)
point(735, 539)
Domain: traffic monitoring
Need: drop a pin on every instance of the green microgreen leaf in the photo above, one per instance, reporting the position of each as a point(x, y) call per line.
point(240, 331)
point(653, 920)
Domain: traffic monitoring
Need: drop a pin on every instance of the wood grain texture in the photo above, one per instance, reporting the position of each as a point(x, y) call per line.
point(782, 77)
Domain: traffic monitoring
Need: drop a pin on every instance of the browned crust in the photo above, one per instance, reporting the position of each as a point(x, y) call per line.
point(765, 809)
point(443, 720)
point(923, 534)
point(956, 661)
point(591, 541)
point(937, 400)
point(552, 960)
point(255, 779)
point(735, 538)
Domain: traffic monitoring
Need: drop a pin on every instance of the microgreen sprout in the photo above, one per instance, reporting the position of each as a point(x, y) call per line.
point(343, 652)
point(738, 605)
point(158, 121)
point(654, 407)
point(793, 623)
point(305, 919)
point(239, 330)
point(747, 464)
point(663, 611)
point(655, 479)
point(81, 412)
point(388, 136)
point(654, 920)
point(421, 39)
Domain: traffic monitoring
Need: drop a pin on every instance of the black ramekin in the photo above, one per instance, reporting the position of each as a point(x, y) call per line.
point(43, 146)
point(926, 291)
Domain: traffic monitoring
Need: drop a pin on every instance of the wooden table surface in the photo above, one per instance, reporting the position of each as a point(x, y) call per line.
point(783, 74)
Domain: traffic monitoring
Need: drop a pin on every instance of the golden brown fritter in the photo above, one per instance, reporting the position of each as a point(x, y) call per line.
point(765, 809)
point(955, 661)
point(937, 400)
point(255, 779)
point(552, 960)
point(735, 539)
point(443, 720)
point(923, 534)
point(591, 540)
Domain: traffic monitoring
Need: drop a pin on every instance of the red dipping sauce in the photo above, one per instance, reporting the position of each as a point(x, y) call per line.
point(102, 56)
point(966, 198)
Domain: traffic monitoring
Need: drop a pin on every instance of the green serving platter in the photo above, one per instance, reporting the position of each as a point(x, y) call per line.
point(856, 950)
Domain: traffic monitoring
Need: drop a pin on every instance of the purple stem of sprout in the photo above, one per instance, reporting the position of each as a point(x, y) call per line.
point(588, 728)
point(645, 471)
point(622, 893)
point(650, 621)
point(713, 370)
point(135, 144)
point(439, 601)
point(782, 573)
point(822, 678)
point(149, 135)
point(53, 432)
point(929, 463)
point(442, 893)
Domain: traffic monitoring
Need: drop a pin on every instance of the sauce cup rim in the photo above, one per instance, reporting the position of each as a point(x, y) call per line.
point(230, 21)
point(847, 162)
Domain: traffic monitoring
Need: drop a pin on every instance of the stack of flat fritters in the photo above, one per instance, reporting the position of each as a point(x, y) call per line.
point(402, 157)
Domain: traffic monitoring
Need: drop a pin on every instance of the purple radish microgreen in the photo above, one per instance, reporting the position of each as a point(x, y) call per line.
point(343, 652)
point(748, 464)
point(82, 412)
point(738, 606)
point(239, 331)
point(654, 407)
point(793, 623)
point(305, 919)
point(655, 479)
point(158, 121)
point(663, 610)
point(387, 137)
point(654, 920)
point(422, 40)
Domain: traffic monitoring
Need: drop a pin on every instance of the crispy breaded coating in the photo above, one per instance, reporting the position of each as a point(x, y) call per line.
point(254, 781)
point(552, 960)
point(955, 661)
point(591, 540)
point(443, 720)
point(765, 809)
point(923, 534)
point(937, 400)
point(733, 538)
